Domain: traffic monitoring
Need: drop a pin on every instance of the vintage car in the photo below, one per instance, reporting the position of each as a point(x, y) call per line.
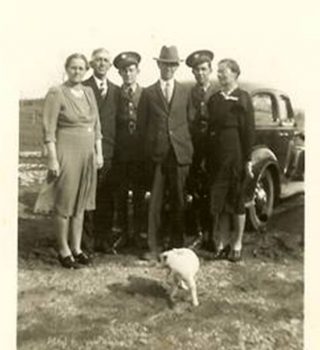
point(278, 155)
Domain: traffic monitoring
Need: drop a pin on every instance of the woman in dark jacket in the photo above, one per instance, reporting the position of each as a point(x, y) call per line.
point(231, 137)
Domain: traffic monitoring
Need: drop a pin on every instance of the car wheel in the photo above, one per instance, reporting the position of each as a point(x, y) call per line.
point(263, 200)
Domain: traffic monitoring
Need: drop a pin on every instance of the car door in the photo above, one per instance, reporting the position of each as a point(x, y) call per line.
point(286, 131)
point(274, 124)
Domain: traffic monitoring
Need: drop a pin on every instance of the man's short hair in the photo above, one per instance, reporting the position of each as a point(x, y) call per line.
point(100, 49)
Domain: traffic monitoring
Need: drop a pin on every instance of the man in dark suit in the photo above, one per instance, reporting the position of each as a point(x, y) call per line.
point(99, 224)
point(128, 158)
point(163, 125)
point(197, 183)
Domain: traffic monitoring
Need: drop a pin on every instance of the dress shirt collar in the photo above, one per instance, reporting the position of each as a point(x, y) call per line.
point(163, 83)
point(205, 87)
point(101, 81)
point(133, 87)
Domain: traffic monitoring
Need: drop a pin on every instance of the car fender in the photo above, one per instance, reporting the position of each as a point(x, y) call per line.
point(263, 158)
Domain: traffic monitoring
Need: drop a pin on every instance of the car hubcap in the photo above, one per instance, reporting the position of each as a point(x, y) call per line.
point(261, 198)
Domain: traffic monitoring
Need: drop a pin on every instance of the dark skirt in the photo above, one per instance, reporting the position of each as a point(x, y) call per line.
point(227, 175)
point(227, 194)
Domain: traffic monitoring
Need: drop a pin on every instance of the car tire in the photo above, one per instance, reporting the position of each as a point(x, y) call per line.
point(263, 200)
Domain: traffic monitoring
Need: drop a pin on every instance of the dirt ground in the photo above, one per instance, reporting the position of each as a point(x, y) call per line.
point(121, 302)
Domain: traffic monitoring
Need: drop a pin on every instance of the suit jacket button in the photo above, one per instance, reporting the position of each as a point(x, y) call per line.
point(89, 129)
point(170, 133)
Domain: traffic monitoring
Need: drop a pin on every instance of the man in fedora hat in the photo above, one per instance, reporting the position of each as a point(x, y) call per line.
point(164, 129)
point(99, 224)
point(200, 63)
point(127, 162)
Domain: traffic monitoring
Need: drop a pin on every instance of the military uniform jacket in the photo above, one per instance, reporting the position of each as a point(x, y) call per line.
point(162, 125)
point(108, 109)
point(199, 117)
point(127, 139)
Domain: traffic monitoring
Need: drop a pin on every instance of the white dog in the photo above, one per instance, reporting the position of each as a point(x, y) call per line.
point(183, 264)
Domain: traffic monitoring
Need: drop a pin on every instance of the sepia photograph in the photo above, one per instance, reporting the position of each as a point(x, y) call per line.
point(160, 176)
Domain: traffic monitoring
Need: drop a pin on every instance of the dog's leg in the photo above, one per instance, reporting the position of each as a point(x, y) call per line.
point(193, 289)
point(174, 286)
point(183, 285)
point(173, 292)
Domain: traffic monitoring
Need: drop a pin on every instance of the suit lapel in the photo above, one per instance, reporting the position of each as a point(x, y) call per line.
point(161, 97)
point(210, 91)
point(96, 91)
point(137, 95)
point(109, 92)
point(101, 101)
point(175, 95)
point(92, 83)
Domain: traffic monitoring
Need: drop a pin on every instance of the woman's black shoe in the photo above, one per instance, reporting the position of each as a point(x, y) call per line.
point(222, 254)
point(82, 258)
point(235, 256)
point(68, 262)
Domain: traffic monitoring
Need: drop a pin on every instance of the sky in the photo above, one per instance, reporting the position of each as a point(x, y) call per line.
point(267, 38)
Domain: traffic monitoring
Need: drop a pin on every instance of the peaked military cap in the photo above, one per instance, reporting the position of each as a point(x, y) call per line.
point(127, 58)
point(198, 57)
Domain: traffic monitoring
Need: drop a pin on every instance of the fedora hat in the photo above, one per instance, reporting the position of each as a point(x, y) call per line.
point(169, 54)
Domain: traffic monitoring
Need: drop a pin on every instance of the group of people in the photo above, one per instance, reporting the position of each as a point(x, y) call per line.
point(103, 140)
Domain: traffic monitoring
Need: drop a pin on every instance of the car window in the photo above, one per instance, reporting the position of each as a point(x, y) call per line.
point(285, 110)
point(264, 112)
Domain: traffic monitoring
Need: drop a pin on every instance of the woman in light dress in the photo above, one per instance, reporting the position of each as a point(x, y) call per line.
point(72, 138)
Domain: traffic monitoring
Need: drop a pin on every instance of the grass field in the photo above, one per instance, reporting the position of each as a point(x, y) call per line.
point(121, 302)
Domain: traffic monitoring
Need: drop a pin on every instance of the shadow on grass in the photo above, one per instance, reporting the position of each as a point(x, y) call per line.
point(28, 198)
point(141, 287)
point(36, 241)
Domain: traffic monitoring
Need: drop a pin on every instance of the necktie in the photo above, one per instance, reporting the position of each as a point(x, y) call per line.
point(103, 89)
point(202, 92)
point(167, 92)
point(130, 92)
